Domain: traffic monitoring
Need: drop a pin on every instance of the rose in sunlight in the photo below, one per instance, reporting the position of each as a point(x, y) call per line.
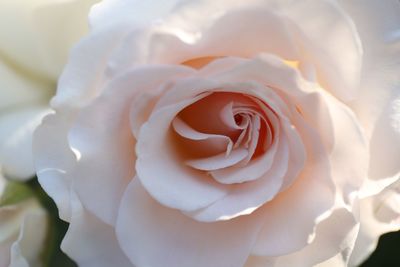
point(35, 38)
point(23, 227)
point(223, 133)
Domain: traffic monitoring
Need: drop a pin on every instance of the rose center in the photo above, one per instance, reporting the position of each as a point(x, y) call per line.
point(223, 130)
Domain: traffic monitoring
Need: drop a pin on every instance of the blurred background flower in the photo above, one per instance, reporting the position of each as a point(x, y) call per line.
point(23, 227)
point(36, 36)
point(35, 39)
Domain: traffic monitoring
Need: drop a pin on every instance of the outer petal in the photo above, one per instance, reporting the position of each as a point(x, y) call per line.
point(329, 241)
point(85, 75)
point(172, 183)
point(16, 130)
point(102, 137)
point(284, 230)
point(136, 12)
point(53, 160)
point(91, 242)
point(146, 230)
point(378, 106)
point(26, 251)
point(34, 43)
point(22, 234)
point(379, 214)
point(343, 40)
point(196, 29)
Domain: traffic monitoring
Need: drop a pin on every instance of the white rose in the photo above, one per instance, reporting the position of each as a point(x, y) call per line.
point(23, 231)
point(35, 38)
point(223, 133)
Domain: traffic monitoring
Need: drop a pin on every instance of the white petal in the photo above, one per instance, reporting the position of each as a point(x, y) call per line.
point(16, 132)
point(377, 106)
point(137, 12)
point(379, 214)
point(153, 235)
point(329, 241)
point(27, 250)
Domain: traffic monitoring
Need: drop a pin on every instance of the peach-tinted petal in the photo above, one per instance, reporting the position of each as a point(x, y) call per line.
point(219, 161)
point(247, 197)
point(208, 142)
point(146, 230)
point(161, 171)
point(377, 106)
point(294, 230)
point(91, 242)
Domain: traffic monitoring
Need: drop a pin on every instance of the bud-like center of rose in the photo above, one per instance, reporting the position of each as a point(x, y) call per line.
point(224, 131)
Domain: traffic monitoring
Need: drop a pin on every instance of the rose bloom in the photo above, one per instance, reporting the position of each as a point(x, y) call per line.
point(32, 55)
point(23, 231)
point(226, 133)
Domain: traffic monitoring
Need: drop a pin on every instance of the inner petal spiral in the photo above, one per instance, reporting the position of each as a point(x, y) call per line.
point(224, 130)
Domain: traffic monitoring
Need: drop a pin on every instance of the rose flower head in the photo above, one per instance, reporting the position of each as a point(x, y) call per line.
point(224, 133)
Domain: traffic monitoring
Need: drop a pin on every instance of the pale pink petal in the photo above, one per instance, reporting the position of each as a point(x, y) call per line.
point(310, 199)
point(201, 141)
point(377, 108)
point(297, 153)
point(177, 40)
point(102, 131)
point(54, 159)
point(350, 152)
point(342, 40)
point(86, 74)
point(247, 197)
point(334, 240)
point(90, 242)
point(153, 235)
point(161, 171)
point(252, 171)
point(219, 161)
